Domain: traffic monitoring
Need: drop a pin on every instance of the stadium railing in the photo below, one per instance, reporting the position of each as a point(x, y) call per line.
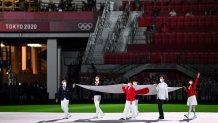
point(94, 37)
point(114, 35)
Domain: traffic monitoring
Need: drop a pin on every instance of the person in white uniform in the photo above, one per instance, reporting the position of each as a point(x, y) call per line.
point(162, 95)
point(97, 99)
point(64, 94)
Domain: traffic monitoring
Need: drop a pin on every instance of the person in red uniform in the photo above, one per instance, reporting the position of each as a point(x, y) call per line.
point(191, 92)
point(130, 101)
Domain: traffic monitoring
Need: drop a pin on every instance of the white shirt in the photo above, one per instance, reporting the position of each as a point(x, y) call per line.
point(172, 13)
point(162, 91)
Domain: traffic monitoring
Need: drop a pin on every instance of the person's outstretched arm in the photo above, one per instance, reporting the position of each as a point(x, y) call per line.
point(124, 88)
point(196, 81)
point(185, 89)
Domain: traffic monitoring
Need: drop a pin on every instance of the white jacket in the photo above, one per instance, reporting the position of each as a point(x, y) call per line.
point(162, 91)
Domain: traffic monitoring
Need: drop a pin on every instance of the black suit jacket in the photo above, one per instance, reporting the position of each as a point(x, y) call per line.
point(64, 93)
point(96, 92)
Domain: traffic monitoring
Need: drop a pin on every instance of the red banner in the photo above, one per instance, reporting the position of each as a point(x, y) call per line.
point(48, 21)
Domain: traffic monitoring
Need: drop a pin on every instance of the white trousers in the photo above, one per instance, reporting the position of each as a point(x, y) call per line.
point(136, 106)
point(129, 107)
point(97, 99)
point(64, 106)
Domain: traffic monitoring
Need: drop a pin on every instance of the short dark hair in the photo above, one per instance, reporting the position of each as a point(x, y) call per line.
point(135, 81)
point(130, 81)
point(164, 76)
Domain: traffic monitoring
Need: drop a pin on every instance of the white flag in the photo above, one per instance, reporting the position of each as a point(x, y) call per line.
point(117, 89)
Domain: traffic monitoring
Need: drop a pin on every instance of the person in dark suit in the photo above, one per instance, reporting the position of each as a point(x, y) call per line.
point(64, 95)
point(97, 99)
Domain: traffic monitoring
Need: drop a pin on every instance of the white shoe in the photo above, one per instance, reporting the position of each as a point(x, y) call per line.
point(95, 117)
point(69, 115)
point(186, 115)
point(195, 116)
point(137, 113)
point(133, 118)
point(102, 115)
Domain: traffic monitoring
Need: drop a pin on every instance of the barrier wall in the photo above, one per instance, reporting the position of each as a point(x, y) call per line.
point(48, 21)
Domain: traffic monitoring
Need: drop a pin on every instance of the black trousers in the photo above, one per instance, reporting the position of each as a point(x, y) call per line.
point(160, 108)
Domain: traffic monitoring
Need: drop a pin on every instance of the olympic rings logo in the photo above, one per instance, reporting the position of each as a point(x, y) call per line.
point(85, 26)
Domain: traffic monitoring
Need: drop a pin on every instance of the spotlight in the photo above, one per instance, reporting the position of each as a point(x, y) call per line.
point(34, 45)
point(2, 45)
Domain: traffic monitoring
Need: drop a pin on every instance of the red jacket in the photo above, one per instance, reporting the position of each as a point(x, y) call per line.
point(130, 93)
point(191, 90)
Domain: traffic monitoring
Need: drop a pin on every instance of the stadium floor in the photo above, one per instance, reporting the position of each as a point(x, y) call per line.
point(170, 117)
point(108, 108)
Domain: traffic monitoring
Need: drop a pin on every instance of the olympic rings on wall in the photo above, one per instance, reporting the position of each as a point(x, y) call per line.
point(85, 26)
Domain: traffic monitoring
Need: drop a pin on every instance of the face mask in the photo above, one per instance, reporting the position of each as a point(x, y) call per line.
point(190, 82)
point(161, 80)
point(97, 79)
point(64, 84)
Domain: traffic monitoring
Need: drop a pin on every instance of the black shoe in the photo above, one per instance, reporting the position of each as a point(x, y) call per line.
point(122, 119)
point(161, 117)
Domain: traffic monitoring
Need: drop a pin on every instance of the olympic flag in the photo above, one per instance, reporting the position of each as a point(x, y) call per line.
point(117, 88)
